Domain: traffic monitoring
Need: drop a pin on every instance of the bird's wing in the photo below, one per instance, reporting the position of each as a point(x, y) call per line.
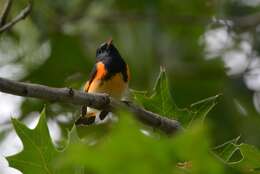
point(91, 78)
point(128, 73)
point(86, 88)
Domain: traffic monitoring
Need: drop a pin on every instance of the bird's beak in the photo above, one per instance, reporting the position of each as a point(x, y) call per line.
point(109, 41)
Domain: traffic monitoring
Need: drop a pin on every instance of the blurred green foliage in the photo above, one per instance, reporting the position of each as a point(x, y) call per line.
point(131, 151)
point(123, 149)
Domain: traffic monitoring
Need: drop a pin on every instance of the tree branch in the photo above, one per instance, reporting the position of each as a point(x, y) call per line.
point(5, 12)
point(98, 101)
point(22, 15)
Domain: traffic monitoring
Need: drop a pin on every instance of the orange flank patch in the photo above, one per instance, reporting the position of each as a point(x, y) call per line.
point(101, 71)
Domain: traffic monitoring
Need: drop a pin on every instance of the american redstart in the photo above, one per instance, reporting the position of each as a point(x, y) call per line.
point(110, 75)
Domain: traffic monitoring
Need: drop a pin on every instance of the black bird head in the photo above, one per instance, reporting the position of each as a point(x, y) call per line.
point(107, 49)
point(111, 58)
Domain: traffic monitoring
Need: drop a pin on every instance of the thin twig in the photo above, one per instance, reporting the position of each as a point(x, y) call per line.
point(22, 15)
point(5, 12)
point(98, 101)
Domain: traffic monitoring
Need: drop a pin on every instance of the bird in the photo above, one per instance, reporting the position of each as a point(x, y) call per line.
point(109, 75)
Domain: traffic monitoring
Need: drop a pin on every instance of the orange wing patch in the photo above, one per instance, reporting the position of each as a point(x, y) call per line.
point(86, 86)
point(128, 73)
point(94, 84)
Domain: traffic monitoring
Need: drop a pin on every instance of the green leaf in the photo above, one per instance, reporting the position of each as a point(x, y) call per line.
point(161, 101)
point(38, 149)
point(226, 151)
point(39, 152)
point(201, 108)
point(250, 162)
point(249, 158)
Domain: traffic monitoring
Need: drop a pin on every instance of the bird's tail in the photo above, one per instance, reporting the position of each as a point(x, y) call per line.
point(93, 116)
